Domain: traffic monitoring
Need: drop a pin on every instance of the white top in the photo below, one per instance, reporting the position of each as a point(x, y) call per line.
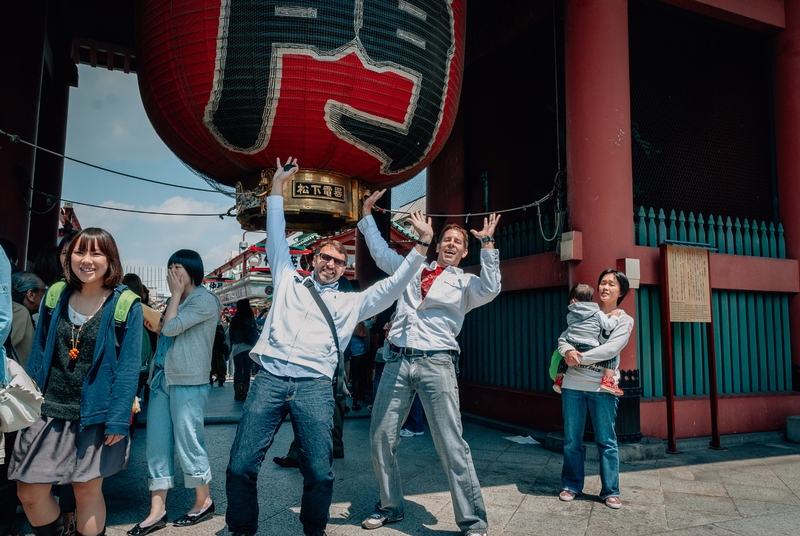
point(434, 322)
point(76, 318)
point(295, 330)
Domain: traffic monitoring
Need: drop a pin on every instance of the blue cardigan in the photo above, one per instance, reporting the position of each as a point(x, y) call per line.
point(109, 388)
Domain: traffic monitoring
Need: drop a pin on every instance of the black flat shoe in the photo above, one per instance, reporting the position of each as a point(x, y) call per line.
point(286, 462)
point(139, 530)
point(187, 520)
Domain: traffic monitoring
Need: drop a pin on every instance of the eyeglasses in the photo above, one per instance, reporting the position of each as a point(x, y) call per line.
point(327, 258)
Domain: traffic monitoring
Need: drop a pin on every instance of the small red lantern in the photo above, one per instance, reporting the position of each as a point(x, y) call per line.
point(356, 90)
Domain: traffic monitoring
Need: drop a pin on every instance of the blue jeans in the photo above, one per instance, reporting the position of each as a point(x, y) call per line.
point(433, 378)
point(416, 417)
point(271, 398)
point(175, 424)
point(603, 409)
point(242, 367)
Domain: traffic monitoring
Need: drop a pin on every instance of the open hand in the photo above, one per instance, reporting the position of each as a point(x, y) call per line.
point(422, 226)
point(370, 202)
point(489, 225)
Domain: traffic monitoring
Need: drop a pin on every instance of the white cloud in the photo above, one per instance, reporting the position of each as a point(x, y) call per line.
point(149, 239)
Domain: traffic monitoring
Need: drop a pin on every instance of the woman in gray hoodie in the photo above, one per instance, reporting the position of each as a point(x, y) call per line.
point(179, 392)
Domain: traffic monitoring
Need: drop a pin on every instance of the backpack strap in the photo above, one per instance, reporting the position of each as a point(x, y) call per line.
point(53, 294)
point(124, 303)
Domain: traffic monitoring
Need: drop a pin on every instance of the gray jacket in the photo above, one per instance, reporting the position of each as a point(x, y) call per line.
point(586, 322)
point(188, 360)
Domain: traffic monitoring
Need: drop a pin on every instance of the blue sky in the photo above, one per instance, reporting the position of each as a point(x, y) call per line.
point(108, 127)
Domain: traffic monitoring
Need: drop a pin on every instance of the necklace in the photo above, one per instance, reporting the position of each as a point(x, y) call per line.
point(75, 340)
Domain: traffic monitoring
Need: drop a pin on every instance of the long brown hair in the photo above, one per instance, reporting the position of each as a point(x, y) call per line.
point(106, 244)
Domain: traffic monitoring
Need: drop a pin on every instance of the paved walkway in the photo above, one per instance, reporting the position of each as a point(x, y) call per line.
point(747, 489)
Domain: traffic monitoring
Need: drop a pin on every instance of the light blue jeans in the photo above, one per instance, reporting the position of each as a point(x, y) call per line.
point(603, 409)
point(433, 378)
point(175, 424)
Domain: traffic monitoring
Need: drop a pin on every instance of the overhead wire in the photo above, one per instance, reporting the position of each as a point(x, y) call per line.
point(51, 198)
point(220, 216)
point(17, 139)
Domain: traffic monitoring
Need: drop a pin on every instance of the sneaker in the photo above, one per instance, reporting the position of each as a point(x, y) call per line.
point(476, 533)
point(377, 520)
point(557, 384)
point(567, 495)
point(614, 502)
point(409, 433)
point(609, 385)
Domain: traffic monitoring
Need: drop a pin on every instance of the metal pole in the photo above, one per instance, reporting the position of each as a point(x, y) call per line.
point(712, 385)
point(669, 368)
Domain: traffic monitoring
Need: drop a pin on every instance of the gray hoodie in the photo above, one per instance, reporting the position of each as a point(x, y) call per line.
point(586, 321)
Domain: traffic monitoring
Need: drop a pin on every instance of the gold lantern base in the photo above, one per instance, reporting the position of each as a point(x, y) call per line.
point(314, 201)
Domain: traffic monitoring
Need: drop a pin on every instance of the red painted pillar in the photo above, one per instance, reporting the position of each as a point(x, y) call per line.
point(367, 272)
point(22, 38)
point(599, 172)
point(444, 192)
point(786, 75)
point(52, 135)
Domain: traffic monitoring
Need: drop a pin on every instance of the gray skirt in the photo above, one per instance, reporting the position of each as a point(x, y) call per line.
point(56, 451)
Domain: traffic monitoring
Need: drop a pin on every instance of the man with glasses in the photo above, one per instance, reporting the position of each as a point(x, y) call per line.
point(298, 361)
point(423, 360)
point(27, 291)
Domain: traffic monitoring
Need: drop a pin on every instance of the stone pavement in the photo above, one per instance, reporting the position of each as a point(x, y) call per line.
point(751, 488)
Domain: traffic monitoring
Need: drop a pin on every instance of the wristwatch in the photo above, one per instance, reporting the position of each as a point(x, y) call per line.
point(487, 240)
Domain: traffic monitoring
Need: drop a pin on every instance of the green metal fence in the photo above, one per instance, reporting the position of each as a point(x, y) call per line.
point(751, 338)
point(752, 238)
point(508, 342)
point(751, 328)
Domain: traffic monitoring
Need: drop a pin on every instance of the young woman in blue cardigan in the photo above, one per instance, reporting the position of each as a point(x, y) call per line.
point(87, 367)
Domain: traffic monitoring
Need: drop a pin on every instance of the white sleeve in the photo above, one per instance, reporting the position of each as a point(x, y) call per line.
point(277, 248)
point(483, 289)
point(381, 295)
point(385, 257)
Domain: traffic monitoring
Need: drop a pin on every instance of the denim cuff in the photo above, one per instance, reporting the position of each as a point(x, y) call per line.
point(195, 481)
point(161, 483)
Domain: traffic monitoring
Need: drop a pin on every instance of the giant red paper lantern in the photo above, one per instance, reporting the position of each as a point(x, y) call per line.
point(363, 90)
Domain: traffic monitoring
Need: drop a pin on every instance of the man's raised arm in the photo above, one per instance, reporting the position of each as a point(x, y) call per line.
point(381, 295)
point(385, 257)
point(277, 248)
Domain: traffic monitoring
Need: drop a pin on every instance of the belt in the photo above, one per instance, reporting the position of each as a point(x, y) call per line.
point(424, 353)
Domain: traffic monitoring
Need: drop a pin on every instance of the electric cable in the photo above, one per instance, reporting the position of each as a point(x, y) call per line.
point(16, 139)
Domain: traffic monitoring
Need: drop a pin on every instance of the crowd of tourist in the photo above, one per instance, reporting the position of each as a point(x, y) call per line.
point(85, 332)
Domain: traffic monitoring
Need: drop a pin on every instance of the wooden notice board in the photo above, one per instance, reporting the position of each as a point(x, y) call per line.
point(688, 284)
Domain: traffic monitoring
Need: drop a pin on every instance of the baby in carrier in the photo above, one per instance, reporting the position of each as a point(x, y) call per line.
point(585, 323)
